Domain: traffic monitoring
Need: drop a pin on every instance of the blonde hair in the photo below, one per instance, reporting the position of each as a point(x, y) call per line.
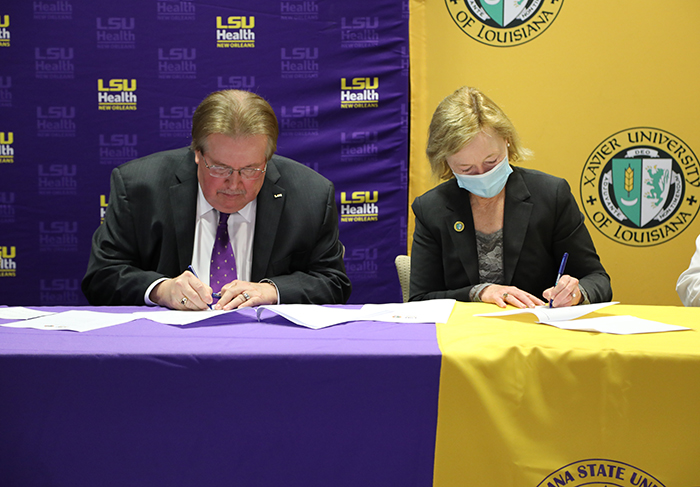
point(458, 119)
point(235, 113)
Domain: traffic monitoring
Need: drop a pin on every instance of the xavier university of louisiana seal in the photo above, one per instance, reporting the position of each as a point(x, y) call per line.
point(641, 186)
point(504, 23)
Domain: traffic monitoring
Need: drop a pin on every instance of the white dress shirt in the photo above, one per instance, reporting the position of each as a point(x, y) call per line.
point(241, 230)
point(688, 285)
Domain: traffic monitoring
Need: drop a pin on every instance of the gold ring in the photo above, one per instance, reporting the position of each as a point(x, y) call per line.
point(505, 295)
point(245, 295)
point(183, 301)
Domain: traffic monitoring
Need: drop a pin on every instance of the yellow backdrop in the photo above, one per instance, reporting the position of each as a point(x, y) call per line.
point(590, 70)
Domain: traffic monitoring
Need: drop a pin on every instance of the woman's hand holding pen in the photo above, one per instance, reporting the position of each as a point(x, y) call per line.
point(565, 293)
point(184, 292)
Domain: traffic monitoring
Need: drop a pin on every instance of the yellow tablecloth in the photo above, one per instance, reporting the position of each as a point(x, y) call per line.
point(523, 404)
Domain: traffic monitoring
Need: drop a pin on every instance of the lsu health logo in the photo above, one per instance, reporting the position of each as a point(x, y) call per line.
point(504, 23)
point(54, 63)
point(56, 10)
point(8, 266)
point(116, 33)
point(362, 262)
point(116, 94)
point(236, 83)
point(103, 208)
point(5, 91)
point(299, 10)
point(7, 153)
point(4, 30)
point(600, 472)
point(117, 149)
point(298, 120)
point(641, 186)
point(360, 146)
point(175, 10)
point(359, 206)
point(175, 121)
point(58, 179)
point(177, 63)
point(359, 32)
point(55, 121)
point(7, 207)
point(299, 62)
point(59, 291)
point(235, 32)
point(359, 93)
point(58, 236)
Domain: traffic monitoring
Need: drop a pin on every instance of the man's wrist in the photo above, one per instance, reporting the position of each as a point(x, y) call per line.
point(277, 291)
point(150, 290)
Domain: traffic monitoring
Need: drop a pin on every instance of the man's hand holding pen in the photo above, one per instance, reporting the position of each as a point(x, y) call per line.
point(184, 292)
point(187, 292)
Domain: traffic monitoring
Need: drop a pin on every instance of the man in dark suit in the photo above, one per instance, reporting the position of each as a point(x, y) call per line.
point(166, 211)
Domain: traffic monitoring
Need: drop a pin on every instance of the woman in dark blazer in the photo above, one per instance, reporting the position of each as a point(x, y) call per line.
point(494, 232)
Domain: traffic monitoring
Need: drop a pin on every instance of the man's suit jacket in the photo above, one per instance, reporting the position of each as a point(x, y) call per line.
point(149, 227)
point(541, 221)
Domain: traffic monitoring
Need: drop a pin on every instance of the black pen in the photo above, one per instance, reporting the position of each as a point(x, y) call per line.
point(561, 272)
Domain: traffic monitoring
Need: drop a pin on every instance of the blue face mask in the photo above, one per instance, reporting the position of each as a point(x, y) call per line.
point(490, 183)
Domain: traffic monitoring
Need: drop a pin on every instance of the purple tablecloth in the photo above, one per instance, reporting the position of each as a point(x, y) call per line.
point(223, 402)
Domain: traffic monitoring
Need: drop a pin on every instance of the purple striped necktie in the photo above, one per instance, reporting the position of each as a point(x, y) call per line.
point(223, 262)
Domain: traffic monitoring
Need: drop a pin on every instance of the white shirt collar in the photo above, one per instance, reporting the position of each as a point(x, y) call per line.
point(203, 206)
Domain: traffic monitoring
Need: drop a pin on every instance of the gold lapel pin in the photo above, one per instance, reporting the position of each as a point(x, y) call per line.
point(278, 195)
point(459, 226)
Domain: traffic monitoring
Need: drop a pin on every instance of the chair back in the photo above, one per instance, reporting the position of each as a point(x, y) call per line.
point(403, 268)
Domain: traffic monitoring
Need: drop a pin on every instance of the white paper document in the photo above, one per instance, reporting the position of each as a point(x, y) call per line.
point(177, 317)
point(307, 315)
point(22, 313)
point(74, 320)
point(317, 317)
point(312, 315)
point(618, 325)
point(565, 318)
point(429, 311)
point(547, 314)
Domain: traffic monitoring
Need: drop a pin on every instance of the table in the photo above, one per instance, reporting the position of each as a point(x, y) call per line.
point(503, 402)
point(525, 404)
point(228, 401)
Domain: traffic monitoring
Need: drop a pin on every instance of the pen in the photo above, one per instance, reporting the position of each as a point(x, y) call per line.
point(564, 258)
point(214, 295)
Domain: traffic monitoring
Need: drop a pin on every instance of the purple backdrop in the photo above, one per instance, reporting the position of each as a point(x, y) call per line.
point(86, 86)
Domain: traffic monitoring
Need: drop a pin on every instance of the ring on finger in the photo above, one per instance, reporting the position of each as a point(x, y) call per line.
point(245, 295)
point(183, 301)
point(505, 295)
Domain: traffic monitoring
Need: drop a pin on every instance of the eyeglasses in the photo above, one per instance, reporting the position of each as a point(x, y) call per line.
point(225, 171)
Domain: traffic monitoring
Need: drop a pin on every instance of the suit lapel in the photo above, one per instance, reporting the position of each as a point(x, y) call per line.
point(271, 202)
point(183, 203)
point(464, 240)
point(515, 222)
